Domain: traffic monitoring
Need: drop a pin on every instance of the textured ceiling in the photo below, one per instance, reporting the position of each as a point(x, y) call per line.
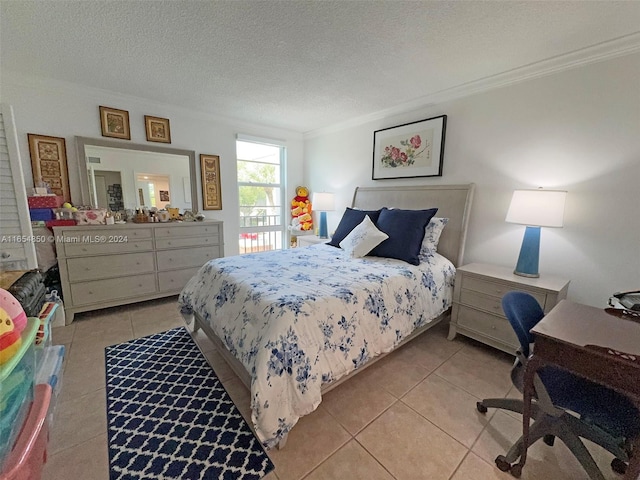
point(300, 65)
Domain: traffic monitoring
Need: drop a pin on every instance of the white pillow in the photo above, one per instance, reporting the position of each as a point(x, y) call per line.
point(363, 238)
point(432, 234)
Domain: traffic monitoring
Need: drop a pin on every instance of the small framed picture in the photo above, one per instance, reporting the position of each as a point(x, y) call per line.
point(157, 129)
point(115, 123)
point(211, 192)
point(411, 150)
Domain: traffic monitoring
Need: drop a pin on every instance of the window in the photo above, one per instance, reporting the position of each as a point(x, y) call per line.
point(261, 191)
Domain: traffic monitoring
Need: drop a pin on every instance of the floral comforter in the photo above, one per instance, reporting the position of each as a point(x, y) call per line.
point(300, 318)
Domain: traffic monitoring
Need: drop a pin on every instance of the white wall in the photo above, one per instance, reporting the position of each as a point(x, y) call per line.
point(63, 110)
point(577, 130)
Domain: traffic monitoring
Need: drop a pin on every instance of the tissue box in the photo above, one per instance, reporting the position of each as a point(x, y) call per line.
point(96, 216)
point(45, 201)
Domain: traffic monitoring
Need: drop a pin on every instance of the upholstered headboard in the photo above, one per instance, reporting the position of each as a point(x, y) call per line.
point(452, 201)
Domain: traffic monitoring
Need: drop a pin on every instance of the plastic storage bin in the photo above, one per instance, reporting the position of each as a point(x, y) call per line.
point(17, 378)
point(43, 337)
point(50, 373)
point(26, 459)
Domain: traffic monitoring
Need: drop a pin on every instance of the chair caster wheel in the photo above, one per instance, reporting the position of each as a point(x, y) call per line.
point(549, 440)
point(481, 408)
point(502, 464)
point(618, 466)
point(516, 470)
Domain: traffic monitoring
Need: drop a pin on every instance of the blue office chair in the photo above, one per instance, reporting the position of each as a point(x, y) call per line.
point(600, 414)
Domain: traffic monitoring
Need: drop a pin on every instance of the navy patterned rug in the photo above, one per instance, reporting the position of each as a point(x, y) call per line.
point(169, 417)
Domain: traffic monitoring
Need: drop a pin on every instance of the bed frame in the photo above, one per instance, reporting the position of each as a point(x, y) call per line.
point(453, 202)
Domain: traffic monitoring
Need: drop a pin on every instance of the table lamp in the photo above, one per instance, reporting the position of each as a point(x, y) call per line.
point(535, 209)
point(323, 202)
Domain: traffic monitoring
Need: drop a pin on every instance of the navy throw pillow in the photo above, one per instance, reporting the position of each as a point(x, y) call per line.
point(406, 231)
point(350, 220)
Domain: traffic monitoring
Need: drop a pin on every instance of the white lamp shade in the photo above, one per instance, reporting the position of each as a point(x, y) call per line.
point(323, 202)
point(541, 208)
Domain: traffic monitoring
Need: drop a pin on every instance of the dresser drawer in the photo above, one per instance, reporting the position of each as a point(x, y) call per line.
point(102, 290)
point(94, 268)
point(488, 325)
point(175, 280)
point(496, 289)
point(118, 245)
point(182, 258)
point(187, 231)
point(187, 241)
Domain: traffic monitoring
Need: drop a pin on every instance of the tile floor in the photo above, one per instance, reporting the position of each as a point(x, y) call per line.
point(410, 416)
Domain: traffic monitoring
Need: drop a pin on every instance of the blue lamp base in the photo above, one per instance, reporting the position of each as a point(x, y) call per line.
point(323, 225)
point(529, 254)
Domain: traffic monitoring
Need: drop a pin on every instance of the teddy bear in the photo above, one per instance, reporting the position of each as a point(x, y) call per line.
point(301, 210)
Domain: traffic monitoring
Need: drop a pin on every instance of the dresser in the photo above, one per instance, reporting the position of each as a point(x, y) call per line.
point(109, 265)
point(477, 296)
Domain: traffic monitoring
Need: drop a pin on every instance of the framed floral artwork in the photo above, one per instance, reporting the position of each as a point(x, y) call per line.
point(157, 129)
point(49, 163)
point(115, 123)
point(211, 191)
point(411, 150)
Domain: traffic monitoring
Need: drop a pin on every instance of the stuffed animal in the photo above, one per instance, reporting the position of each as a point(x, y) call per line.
point(301, 210)
point(10, 340)
point(9, 303)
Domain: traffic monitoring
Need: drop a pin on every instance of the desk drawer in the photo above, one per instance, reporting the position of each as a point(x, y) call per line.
point(175, 280)
point(498, 290)
point(187, 241)
point(95, 268)
point(182, 258)
point(488, 325)
point(102, 290)
point(187, 231)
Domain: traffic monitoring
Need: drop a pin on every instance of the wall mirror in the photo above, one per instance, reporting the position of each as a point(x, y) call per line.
point(121, 176)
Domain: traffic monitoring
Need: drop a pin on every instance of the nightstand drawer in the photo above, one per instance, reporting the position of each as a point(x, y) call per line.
point(487, 325)
point(482, 301)
point(496, 289)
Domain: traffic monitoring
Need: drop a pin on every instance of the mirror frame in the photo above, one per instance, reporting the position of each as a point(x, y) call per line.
point(81, 142)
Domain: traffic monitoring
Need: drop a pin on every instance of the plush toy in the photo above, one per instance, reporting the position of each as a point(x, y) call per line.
point(10, 340)
point(9, 303)
point(301, 210)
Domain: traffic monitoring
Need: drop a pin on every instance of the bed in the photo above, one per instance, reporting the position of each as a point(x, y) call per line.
point(294, 324)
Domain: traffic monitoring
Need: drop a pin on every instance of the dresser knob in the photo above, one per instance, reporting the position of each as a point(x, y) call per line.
point(6, 254)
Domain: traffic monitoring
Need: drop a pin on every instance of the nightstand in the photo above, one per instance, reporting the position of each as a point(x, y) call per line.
point(477, 308)
point(306, 240)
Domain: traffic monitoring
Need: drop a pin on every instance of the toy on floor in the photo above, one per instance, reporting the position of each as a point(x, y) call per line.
point(10, 340)
point(301, 210)
point(9, 303)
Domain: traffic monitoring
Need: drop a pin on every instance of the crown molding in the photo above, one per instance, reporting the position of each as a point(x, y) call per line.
point(56, 86)
point(627, 45)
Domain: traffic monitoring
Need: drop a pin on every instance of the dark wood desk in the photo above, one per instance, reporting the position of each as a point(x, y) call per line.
point(585, 340)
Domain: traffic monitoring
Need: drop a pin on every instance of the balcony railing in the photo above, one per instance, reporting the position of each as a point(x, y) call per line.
point(253, 239)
